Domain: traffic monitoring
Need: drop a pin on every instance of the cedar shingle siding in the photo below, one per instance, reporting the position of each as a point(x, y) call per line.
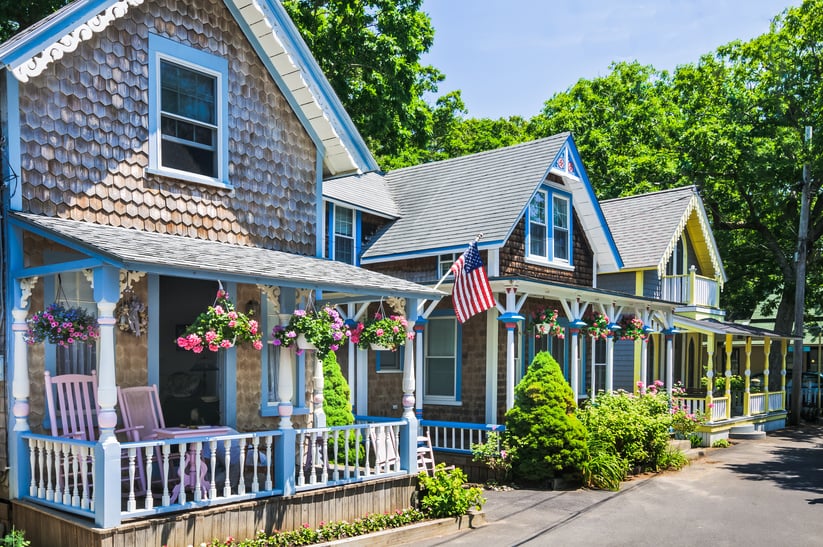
point(85, 139)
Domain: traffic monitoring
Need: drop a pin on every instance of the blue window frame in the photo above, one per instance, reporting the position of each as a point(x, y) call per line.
point(188, 113)
point(442, 365)
point(343, 239)
point(390, 361)
point(548, 228)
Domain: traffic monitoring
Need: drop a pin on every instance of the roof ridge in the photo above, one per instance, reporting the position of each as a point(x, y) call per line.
point(474, 156)
point(691, 187)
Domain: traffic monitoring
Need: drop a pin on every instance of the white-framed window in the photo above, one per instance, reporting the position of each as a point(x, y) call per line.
point(560, 228)
point(442, 363)
point(188, 113)
point(548, 228)
point(389, 361)
point(538, 226)
point(445, 262)
point(74, 290)
point(343, 249)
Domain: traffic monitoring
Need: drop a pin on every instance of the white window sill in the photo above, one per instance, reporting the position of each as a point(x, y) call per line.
point(189, 177)
point(441, 402)
point(389, 371)
point(549, 264)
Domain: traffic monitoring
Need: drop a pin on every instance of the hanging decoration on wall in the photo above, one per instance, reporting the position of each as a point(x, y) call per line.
point(132, 313)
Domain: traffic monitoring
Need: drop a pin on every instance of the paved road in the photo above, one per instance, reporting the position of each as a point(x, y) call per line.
point(766, 492)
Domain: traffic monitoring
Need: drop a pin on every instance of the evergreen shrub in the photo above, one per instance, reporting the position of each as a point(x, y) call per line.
point(547, 439)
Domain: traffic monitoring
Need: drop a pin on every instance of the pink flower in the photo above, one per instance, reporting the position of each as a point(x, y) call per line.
point(232, 315)
point(291, 334)
point(379, 332)
point(232, 323)
point(258, 345)
point(276, 342)
point(218, 310)
point(253, 326)
point(395, 329)
point(213, 346)
point(225, 344)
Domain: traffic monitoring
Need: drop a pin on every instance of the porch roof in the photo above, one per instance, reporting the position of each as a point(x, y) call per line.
point(713, 326)
point(152, 252)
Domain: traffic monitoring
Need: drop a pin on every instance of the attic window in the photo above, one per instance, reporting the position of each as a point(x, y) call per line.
point(188, 106)
point(548, 229)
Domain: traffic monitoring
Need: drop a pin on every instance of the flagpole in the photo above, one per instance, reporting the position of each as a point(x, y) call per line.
point(477, 238)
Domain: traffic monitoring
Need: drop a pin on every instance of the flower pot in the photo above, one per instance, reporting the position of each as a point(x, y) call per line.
point(380, 347)
point(302, 343)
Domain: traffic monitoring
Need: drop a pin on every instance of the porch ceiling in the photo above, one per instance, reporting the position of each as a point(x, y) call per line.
point(151, 252)
point(713, 326)
point(549, 289)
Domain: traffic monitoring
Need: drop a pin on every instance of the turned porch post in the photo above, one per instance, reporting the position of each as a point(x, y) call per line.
point(408, 442)
point(710, 374)
point(747, 394)
point(419, 329)
point(510, 319)
point(728, 391)
point(767, 348)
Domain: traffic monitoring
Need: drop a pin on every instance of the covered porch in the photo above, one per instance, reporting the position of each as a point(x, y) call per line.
point(270, 440)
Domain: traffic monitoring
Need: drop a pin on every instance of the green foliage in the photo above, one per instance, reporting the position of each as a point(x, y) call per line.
point(548, 439)
point(337, 406)
point(634, 428)
point(721, 443)
point(327, 531)
point(16, 538)
point(605, 468)
point(496, 454)
point(673, 459)
point(445, 493)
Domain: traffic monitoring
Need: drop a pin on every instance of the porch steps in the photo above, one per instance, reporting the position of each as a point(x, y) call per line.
point(746, 432)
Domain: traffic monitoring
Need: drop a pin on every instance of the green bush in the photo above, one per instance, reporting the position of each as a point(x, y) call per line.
point(634, 428)
point(605, 468)
point(16, 538)
point(337, 406)
point(696, 440)
point(548, 440)
point(495, 454)
point(721, 443)
point(673, 459)
point(445, 493)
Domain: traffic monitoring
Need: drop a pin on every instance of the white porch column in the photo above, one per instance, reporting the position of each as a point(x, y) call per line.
point(20, 388)
point(351, 365)
point(318, 413)
point(510, 320)
point(669, 362)
point(492, 364)
point(575, 363)
point(408, 441)
point(419, 330)
point(644, 364)
point(362, 373)
point(106, 294)
point(610, 362)
point(285, 387)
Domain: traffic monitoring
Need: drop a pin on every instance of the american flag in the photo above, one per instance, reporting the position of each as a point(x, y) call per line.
point(472, 293)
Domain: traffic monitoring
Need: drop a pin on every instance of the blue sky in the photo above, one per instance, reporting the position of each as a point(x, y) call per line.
point(509, 56)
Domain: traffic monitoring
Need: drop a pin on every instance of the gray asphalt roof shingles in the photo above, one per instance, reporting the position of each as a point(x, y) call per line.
point(154, 251)
point(643, 226)
point(368, 191)
point(446, 204)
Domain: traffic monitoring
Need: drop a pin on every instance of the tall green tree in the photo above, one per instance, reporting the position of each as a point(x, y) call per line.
point(16, 16)
point(370, 52)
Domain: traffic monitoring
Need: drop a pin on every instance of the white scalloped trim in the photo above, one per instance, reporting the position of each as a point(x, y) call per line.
point(68, 43)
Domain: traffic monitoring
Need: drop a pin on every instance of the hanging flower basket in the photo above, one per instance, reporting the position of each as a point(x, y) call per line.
point(597, 325)
point(382, 333)
point(546, 324)
point(323, 329)
point(62, 326)
point(631, 328)
point(220, 327)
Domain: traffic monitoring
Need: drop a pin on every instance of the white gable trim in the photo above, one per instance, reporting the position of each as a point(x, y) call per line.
point(67, 43)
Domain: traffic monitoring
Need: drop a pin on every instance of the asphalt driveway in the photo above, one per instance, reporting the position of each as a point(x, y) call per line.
point(765, 492)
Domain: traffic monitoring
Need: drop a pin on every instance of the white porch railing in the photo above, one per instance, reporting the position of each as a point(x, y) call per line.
point(691, 289)
point(757, 403)
point(697, 405)
point(343, 454)
point(458, 437)
point(776, 400)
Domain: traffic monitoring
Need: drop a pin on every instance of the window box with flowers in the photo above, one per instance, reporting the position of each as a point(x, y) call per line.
point(631, 328)
point(322, 331)
point(62, 326)
point(220, 327)
point(597, 325)
point(546, 324)
point(382, 333)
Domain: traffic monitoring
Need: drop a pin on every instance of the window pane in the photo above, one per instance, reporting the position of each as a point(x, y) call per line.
point(177, 155)
point(187, 93)
point(445, 263)
point(537, 208)
point(343, 221)
point(344, 249)
point(441, 336)
point(561, 244)
point(388, 360)
point(440, 377)
point(561, 213)
point(537, 240)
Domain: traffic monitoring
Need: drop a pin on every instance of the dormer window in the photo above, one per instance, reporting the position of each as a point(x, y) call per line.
point(343, 228)
point(188, 113)
point(548, 228)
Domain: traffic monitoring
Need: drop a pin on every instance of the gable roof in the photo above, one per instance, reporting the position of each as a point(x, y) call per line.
point(646, 228)
point(154, 252)
point(445, 204)
point(367, 192)
point(271, 33)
